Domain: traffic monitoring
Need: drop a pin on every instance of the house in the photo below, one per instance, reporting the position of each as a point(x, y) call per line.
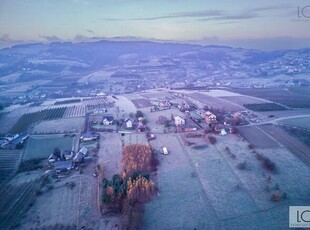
point(141, 127)
point(164, 105)
point(78, 158)
point(129, 123)
point(183, 107)
point(178, 121)
point(84, 151)
point(88, 136)
point(67, 155)
point(107, 120)
point(209, 117)
point(12, 141)
point(223, 132)
point(201, 113)
point(52, 158)
point(63, 166)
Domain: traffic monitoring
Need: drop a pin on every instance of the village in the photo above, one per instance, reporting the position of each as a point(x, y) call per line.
point(191, 134)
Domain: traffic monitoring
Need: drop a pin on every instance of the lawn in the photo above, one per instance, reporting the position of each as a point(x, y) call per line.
point(42, 146)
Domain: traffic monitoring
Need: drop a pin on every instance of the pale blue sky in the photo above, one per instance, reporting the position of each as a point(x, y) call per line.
point(211, 21)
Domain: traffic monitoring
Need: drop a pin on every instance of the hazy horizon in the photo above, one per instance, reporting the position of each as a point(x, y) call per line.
point(276, 25)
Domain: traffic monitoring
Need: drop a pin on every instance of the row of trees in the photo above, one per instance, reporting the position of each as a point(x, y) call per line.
point(127, 192)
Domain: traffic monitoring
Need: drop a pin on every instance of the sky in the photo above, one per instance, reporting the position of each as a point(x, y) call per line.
point(250, 24)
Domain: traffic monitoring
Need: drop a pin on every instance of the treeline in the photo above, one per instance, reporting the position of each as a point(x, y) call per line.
point(67, 101)
point(127, 192)
point(264, 107)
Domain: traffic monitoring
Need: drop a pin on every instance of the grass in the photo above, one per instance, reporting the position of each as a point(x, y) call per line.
point(43, 146)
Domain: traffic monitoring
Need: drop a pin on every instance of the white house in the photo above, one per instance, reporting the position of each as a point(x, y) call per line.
point(128, 123)
point(107, 120)
point(178, 120)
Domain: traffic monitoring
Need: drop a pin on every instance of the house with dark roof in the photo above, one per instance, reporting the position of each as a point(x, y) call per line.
point(107, 120)
point(63, 166)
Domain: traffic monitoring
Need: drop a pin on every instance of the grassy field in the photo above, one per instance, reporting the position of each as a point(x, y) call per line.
point(42, 146)
point(303, 122)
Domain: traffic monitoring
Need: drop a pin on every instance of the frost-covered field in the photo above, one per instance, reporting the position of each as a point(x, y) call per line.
point(60, 125)
point(42, 146)
point(181, 202)
point(205, 188)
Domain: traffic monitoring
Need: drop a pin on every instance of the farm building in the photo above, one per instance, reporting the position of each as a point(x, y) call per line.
point(67, 155)
point(107, 120)
point(11, 141)
point(62, 166)
point(89, 136)
point(178, 121)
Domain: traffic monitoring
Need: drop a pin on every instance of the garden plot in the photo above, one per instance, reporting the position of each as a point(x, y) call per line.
point(60, 125)
point(41, 146)
point(181, 202)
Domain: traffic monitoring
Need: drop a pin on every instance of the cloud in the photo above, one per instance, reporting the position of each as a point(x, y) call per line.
point(231, 17)
point(190, 14)
point(90, 31)
point(211, 15)
point(51, 38)
point(271, 8)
